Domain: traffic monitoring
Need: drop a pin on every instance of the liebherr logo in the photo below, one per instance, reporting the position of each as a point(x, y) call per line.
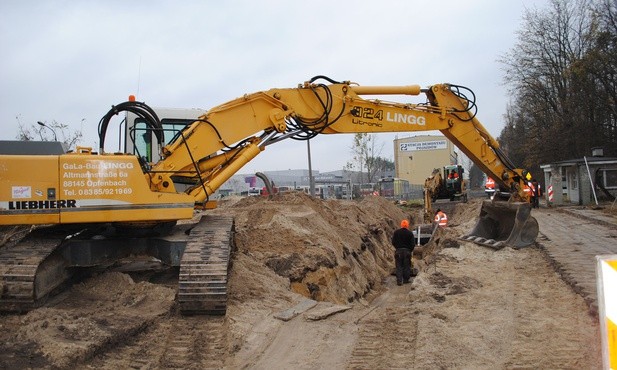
point(42, 204)
point(376, 117)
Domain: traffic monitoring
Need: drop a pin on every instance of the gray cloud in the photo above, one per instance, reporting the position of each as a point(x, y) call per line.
point(69, 60)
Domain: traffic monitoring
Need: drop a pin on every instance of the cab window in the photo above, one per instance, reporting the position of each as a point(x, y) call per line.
point(144, 138)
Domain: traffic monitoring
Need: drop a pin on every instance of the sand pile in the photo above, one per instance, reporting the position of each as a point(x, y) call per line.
point(334, 251)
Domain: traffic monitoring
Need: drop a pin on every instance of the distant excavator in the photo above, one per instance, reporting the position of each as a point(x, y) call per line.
point(449, 186)
point(107, 206)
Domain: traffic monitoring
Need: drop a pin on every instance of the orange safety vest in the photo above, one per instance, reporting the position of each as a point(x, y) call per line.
point(490, 183)
point(441, 219)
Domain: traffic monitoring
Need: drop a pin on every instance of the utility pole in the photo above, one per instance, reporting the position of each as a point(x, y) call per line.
point(311, 179)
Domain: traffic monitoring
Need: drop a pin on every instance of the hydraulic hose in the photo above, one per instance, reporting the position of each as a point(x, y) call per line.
point(138, 108)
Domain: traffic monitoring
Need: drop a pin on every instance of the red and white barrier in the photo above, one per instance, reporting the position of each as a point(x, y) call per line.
point(550, 193)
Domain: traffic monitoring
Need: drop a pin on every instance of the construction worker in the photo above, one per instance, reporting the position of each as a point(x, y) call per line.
point(403, 242)
point(489, 187)
point(536, 193)
point(527, 189)
point(532, 193)
point(441, 219)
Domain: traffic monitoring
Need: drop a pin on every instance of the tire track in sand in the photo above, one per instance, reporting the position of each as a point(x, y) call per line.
point(174, 342)
point(387, 335)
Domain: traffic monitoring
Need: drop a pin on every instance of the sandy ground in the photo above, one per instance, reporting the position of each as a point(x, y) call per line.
point(469, 307)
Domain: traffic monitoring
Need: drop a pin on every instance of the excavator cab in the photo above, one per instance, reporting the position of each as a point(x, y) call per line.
point(454, 184)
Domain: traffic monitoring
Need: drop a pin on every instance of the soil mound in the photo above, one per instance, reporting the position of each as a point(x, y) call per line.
point(327, 250)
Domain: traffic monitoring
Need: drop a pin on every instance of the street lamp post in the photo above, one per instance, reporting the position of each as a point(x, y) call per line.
point(52, 130)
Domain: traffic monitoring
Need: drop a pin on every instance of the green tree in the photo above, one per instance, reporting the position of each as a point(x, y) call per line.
point(381, 165)
point(476, 177)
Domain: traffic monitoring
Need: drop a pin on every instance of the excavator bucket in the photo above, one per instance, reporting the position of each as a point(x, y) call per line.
point(504, 224)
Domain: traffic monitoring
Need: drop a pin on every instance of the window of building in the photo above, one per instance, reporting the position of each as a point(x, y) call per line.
point(609, 178)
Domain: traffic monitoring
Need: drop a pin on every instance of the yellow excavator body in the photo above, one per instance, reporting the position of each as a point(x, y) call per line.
point(78, 188)
point(93, 196)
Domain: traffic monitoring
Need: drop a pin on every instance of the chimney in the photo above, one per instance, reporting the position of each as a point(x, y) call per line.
point(597, 152)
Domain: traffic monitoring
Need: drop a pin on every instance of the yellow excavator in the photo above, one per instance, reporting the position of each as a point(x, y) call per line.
point(449, 186)
point(100, 207)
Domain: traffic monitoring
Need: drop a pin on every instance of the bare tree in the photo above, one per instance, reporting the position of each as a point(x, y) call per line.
point(601, 62)
point(54, 131)
point(561, 74)
point(365, 153)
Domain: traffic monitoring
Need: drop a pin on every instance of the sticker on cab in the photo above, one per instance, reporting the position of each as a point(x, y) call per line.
point(22, 192)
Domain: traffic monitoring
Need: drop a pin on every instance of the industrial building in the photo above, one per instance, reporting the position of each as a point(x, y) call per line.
point(416, 157)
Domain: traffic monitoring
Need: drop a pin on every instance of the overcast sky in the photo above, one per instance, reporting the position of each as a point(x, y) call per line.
point(70, 61)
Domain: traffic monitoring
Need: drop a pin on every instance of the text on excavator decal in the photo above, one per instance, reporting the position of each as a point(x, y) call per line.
point(370, 113)
point(43, 204)
point(98, 165)
point(96, 177)
point(367, 113)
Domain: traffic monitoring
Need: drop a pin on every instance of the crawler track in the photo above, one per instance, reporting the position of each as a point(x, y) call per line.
point(202, 287)
point(34, 267)
point(28, 272)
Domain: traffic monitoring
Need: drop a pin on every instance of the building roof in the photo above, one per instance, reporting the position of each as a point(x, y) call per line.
point(17, 147)
point(580, 161)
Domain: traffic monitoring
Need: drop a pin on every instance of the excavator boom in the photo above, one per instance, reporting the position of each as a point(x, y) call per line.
point(84, 190)
point(230, 135)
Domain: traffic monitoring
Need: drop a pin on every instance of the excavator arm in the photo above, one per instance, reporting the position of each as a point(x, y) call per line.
point(88, 187)
point(228, 136)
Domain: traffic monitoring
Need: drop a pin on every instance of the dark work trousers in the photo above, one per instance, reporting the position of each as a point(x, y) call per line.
point(402, 257)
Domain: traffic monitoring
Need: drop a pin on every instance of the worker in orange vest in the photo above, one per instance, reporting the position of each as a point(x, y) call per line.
point(441, 219)
point(489, 187)
point(536, 193)
point(527, 189)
